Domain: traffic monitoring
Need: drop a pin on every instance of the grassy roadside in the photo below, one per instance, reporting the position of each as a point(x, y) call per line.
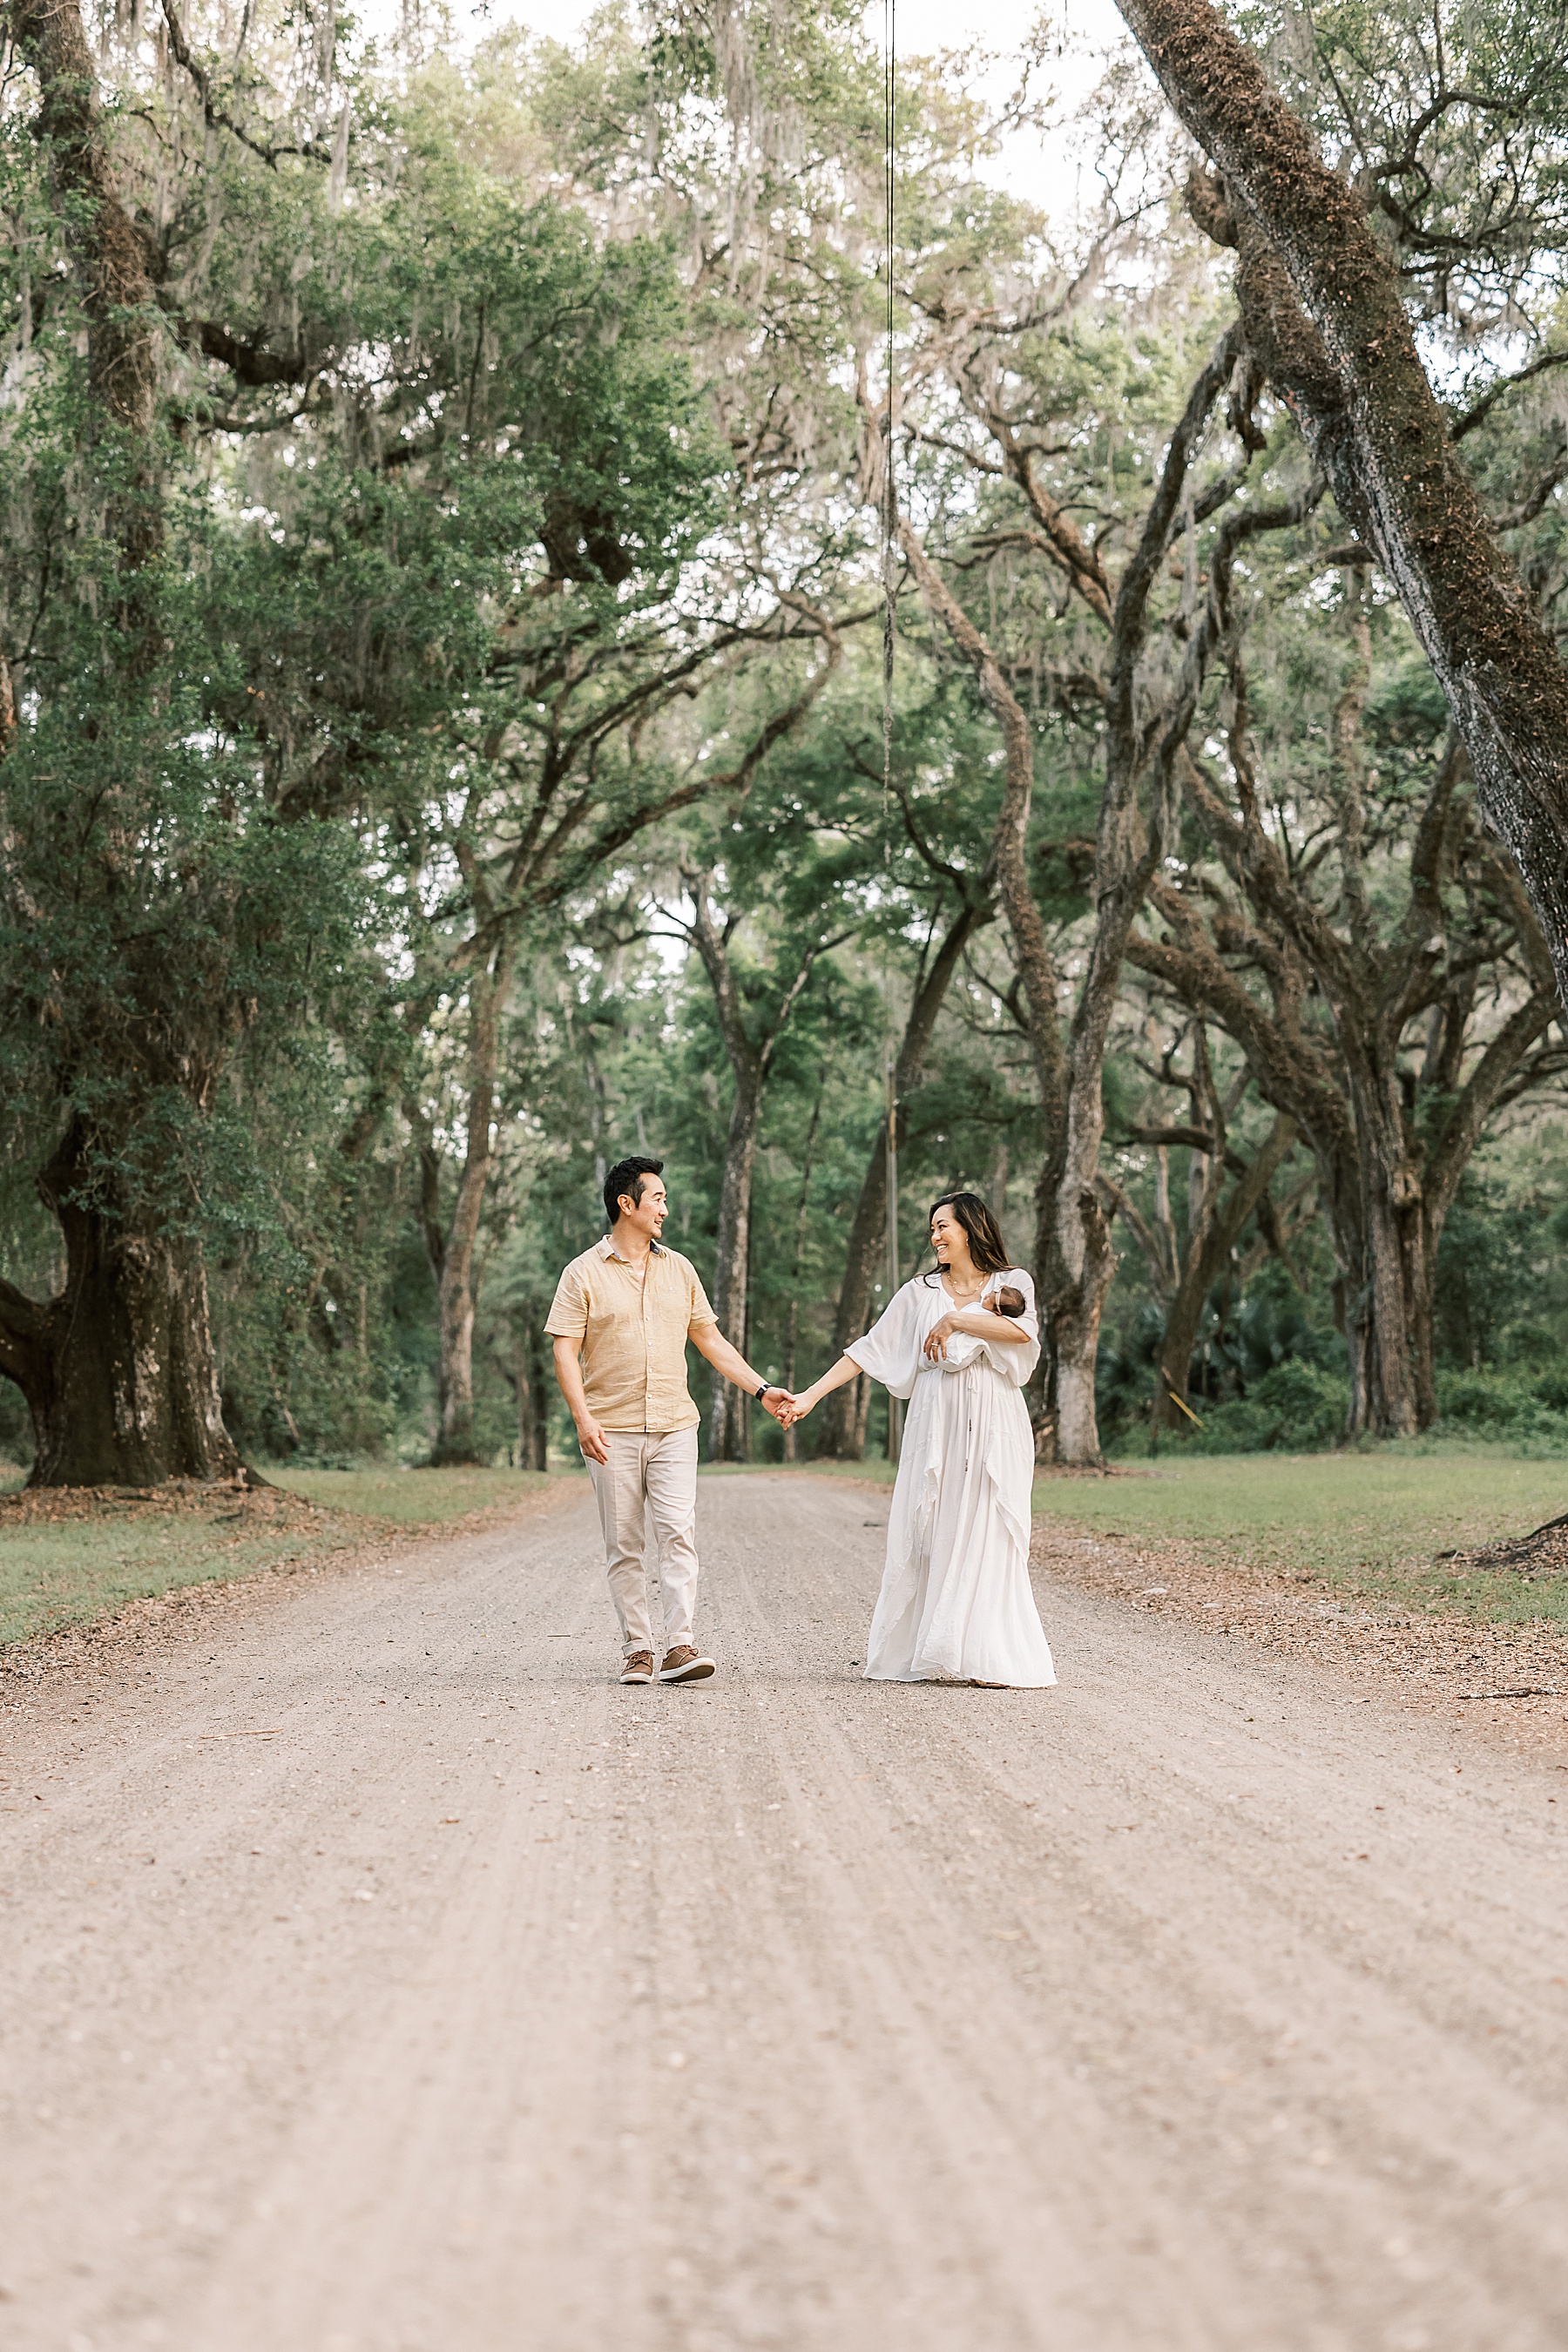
point(1368, 1524)
point(72, 1560)
point(1365, 1524)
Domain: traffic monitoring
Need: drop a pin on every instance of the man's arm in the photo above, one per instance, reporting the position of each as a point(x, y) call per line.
point(709, 1341)
point(569, 1374)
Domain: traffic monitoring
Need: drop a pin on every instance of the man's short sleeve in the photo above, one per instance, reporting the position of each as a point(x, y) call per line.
point(699, 1315)
point(568, 1316)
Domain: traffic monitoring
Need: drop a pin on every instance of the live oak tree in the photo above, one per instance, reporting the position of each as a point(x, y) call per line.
point(569, 757)
point(298, 506)
point(1116, 644)
point(1365, 943)
point(753, 996)
point(1326, 267)
point(1187, 1253)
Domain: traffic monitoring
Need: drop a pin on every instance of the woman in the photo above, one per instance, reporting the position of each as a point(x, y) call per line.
point(955, 1604)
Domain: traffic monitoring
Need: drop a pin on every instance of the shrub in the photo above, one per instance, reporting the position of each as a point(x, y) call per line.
point(1297, 1406)
point(1532, 1414)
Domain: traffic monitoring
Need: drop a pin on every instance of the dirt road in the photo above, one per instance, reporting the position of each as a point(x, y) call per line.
point(379, 1977)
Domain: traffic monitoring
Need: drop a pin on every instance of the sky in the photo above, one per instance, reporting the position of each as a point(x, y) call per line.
point(1043, 172)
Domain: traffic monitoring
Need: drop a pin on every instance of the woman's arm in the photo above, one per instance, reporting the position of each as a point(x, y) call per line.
point(985, 1325)
point(837, 1377)
point(977, 1320)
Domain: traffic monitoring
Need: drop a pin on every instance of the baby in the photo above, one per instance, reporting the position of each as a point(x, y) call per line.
point(964, 1348)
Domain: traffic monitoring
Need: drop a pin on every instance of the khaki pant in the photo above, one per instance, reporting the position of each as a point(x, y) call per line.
point(650, 1477)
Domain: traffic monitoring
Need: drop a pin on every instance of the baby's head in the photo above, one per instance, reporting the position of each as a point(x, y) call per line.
point(1008, 1301)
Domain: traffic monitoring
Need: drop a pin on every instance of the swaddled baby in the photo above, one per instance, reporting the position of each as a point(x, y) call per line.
point(963, 1347)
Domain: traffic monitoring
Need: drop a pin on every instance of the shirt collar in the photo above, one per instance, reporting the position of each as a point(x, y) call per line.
point(607, 1249)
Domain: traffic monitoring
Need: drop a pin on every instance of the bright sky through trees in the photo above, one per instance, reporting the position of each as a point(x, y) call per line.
point(1038, 168)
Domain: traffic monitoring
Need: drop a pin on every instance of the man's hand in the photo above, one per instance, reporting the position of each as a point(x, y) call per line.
point(781, 1404)
point(592, 1441)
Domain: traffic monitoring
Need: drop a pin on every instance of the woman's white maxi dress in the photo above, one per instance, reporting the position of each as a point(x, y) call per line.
point(955, 1604)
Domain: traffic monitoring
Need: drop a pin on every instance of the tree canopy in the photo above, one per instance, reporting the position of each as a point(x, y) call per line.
point(443, 744)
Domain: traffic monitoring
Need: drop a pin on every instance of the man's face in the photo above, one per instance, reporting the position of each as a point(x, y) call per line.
point(648, 1216)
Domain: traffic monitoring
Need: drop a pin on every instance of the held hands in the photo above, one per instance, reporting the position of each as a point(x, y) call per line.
point(595, 1445)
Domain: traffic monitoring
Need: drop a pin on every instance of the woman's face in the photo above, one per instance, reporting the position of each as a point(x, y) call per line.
point(950, 1243)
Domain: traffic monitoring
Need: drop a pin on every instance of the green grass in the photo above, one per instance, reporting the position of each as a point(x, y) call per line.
point(1366, 1523)
point(79, 1567)
point(413, 1498)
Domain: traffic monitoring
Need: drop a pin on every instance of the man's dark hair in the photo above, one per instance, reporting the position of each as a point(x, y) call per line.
point(626, 1177)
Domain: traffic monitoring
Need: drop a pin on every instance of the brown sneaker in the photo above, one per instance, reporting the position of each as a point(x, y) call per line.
point(638, 1667)
point(685, 1665)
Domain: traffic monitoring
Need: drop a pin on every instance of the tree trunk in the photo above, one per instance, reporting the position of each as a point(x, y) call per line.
point(726, 1420)
point(1391, 1222)
point(1080, 1261)
point(792, 1320)
point(750, 1062)
point(842, 1434)
point(118, 1370)
point(539, 1391)
point(118, 295)
point(451, 1247)
point(1326, 318)
point(1210, 1242)
point(526, 1374)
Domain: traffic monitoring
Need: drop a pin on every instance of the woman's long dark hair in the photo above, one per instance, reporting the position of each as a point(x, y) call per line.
point(986, 1246)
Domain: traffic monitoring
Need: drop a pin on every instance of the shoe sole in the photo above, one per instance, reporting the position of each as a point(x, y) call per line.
point(635, 1678)
point(697, 1672)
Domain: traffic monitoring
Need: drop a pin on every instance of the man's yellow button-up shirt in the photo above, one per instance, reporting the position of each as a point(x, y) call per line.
point(634, 1335)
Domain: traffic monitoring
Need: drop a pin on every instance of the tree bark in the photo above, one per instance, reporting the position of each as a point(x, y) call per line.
point(727, 1429)
point(451, 1246)
point(118, 1370)
point(539, 1391)
point(525, 1374)
point(1326, 318)
point(841, 1435)
point(118, 294)
point(802, 1199)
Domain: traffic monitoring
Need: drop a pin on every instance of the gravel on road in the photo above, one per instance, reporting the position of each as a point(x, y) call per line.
point(379, 1975)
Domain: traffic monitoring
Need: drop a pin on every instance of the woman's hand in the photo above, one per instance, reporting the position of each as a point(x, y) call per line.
point(803, 1403)
point(937, 1337)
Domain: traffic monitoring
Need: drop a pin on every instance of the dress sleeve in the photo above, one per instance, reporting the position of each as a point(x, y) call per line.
point(890, 1350)
point(1017, 1357)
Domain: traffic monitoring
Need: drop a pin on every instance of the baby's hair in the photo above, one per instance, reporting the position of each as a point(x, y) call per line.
point(1008, 1301)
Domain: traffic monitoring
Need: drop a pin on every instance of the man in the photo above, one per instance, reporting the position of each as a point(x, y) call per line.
point(622, 1315)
